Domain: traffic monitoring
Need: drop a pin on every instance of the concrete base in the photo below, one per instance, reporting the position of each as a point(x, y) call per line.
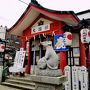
point(49, 72)
point(48, 83)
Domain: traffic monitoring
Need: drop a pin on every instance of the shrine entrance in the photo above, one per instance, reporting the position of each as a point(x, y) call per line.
point(37, 50)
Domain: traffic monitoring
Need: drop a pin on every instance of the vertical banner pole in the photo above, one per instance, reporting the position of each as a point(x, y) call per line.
point(34, 57)
point(40, 45)
point(70, 66)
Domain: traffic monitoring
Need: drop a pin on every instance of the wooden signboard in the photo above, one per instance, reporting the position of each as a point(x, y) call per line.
point(83, 78)
point(68, 75)
point(75, 82)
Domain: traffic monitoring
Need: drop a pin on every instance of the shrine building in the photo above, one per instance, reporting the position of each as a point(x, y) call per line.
point(39, 24)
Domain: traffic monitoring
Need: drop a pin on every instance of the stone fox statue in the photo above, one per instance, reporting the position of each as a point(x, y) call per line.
point(50, 60)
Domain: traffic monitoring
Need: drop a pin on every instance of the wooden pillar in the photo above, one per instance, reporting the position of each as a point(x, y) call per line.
point(41, 47)
point(23, 43)
point(82, 55)
point(29, 53)
point(63, 61)
point(89, 56)
point(29, 60)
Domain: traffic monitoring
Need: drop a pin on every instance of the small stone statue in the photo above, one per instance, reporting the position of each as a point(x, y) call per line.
point(48, 65)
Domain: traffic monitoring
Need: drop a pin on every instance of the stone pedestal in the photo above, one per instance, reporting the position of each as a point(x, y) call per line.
point(48, 83)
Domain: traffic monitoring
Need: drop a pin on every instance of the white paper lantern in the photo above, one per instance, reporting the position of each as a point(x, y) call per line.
point(85, 35)
point(68, 38)
point(2, 32)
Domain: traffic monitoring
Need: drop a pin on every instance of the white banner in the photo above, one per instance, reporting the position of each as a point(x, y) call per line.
point(68, 75)
point(2, 32)
point(84, 78)
point(18, 62)
point(79, 74)
point(40, 28)
point(75, 82)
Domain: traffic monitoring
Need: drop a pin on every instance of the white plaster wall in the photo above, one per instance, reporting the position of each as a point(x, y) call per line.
point(75, 41)
point(85, 16)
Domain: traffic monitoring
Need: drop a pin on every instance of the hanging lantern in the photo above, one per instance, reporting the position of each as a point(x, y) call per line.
point(85, 35)
point(68, 38)
point(2, 47)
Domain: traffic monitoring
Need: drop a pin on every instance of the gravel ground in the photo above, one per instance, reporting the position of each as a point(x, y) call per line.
point(7, 88)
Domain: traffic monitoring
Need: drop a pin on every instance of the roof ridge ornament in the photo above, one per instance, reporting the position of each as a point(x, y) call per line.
point(34, 2)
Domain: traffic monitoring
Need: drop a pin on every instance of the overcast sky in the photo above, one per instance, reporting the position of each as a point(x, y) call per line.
point(11, 10)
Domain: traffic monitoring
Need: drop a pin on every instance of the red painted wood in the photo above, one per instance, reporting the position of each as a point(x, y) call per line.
point(89, 56)
point(63, 61)
point(27, 32)
point(23, 42)
point(29, 61)
point(82, 55)
point(55, 26)
point(42, 11)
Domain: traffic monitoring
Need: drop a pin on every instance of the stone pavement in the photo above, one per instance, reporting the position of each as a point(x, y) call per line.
point(7, 88)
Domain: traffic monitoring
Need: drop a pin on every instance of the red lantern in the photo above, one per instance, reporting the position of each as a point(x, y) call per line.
point(2, 47)
point(68, 38)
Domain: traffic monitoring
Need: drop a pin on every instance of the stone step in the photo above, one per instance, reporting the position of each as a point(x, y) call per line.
point(19, 86)
point(27, 83)
point(23, 83)
point(27, 79)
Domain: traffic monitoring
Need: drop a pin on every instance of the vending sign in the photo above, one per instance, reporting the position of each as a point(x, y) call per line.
point(59, 43)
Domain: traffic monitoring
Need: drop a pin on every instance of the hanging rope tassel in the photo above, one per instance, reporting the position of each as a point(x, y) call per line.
point(26, 38)
point(44, 35)
point(53, 33)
